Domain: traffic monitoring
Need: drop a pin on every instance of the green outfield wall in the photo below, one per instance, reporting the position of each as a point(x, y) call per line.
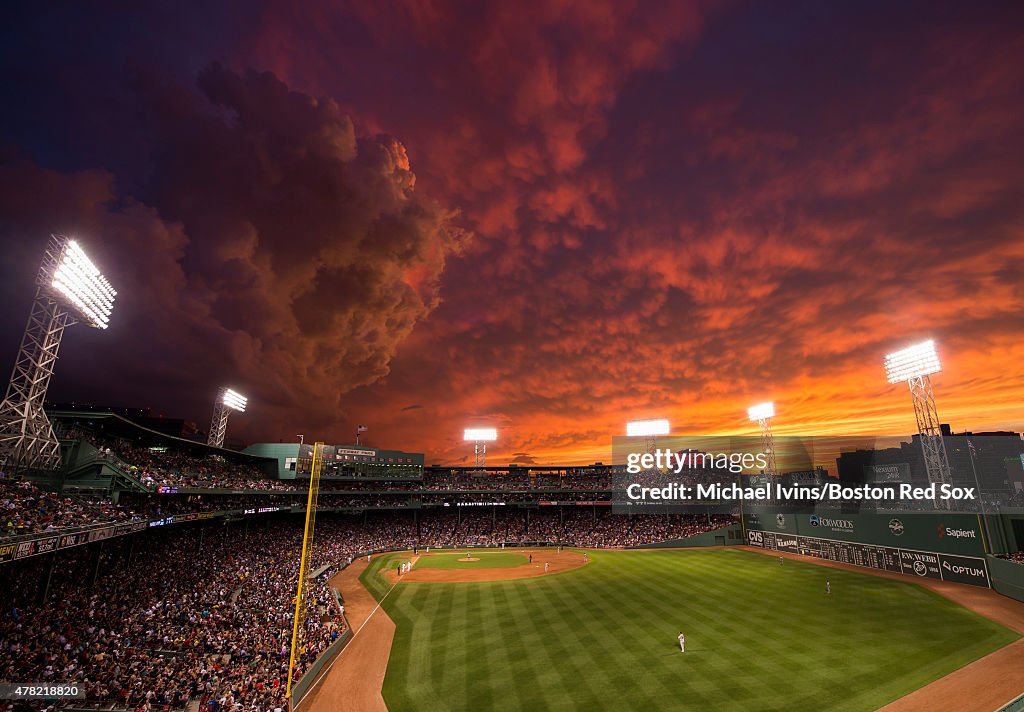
point(726, 536)
point(947, 533)
point(1007, 577)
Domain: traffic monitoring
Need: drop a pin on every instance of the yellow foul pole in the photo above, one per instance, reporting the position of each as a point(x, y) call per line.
point(307, 542)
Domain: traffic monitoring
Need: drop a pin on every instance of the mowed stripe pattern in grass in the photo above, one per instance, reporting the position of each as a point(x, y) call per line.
point(760, 636)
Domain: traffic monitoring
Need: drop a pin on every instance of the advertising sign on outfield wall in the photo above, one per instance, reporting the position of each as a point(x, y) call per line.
point(948, 533)
point(910, 562)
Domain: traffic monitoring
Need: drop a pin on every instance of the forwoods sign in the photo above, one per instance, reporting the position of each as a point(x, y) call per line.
point(922, 564)
point(947, 533)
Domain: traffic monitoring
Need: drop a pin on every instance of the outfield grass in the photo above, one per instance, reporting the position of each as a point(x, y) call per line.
point(759, 636)
point(488, 560)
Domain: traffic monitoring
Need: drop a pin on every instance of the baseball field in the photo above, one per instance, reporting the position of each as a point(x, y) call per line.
point(602, 635)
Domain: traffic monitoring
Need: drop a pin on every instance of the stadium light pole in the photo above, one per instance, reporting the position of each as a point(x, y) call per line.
point(914, 365)
point(69, 289)
point(649, 430)
point(763, 413)
point(227, 401)
point(480, 437)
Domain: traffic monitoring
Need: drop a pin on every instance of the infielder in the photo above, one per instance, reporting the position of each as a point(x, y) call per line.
point(682, 642)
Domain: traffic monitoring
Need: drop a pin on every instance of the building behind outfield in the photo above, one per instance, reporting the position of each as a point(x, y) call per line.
point(294, 461)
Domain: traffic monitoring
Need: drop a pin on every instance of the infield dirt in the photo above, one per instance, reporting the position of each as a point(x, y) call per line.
point(557, 561)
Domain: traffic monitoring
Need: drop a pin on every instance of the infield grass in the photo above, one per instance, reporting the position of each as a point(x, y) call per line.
point(759, 636)
point(488, 560)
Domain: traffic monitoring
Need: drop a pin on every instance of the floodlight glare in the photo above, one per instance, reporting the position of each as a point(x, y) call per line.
point(914, 366)
point(479, 435)
point(639, 428)
point(761, 411)
point(76, 280)
point(69, 290)
point(235, 400)
point(227, 401)
point(912, 362)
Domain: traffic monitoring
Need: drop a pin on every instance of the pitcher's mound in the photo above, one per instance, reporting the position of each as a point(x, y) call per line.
point(471, 558)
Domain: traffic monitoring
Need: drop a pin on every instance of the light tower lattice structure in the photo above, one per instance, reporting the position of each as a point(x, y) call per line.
point(763, 413)
point(480, 437)
point(69, 289)
point(914, 365)
point(227, 401)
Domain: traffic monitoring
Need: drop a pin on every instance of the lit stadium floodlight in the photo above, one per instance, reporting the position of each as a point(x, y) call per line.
point(763, 413)
point(912, 362)
point(87, 291)
point(641, 428)
point(480, 437)
point(648, 429)
point(69, 289)
point(914, 365)
point(227, 401)
point(235, 401)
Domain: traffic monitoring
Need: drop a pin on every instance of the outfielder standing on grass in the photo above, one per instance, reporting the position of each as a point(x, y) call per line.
point(682, 642)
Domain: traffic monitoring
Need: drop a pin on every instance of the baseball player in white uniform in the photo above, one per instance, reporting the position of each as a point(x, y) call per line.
point(682, 642)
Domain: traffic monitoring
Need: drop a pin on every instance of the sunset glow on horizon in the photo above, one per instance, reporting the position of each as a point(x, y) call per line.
point(549, 218)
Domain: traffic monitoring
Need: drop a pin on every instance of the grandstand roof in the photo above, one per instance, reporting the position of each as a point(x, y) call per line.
point(114, 424)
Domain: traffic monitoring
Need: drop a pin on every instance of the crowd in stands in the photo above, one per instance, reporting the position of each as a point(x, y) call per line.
point(26, 509)
point(163, 624)
point(166, 467)
point(204, 613)
point(1016, 557)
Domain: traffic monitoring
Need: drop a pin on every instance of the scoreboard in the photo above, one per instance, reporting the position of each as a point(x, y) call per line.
point(922, 564)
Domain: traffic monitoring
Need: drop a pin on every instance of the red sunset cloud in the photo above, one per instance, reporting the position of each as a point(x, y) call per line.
point(556, 217)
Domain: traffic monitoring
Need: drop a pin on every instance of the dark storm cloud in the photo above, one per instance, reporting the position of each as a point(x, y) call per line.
point(730, 205)
point(276, 247)
point(678, 208)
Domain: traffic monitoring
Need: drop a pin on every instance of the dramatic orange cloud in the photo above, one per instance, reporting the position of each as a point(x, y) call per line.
point(556, 217)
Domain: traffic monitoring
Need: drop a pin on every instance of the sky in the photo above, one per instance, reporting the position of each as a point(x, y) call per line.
point(548, 217)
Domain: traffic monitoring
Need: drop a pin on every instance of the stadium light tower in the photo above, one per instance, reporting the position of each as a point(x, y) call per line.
point(914, 365)
point(69, 289)
point(763, 414)
point(480, 437)
point(227, 401)
point(648, 429)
